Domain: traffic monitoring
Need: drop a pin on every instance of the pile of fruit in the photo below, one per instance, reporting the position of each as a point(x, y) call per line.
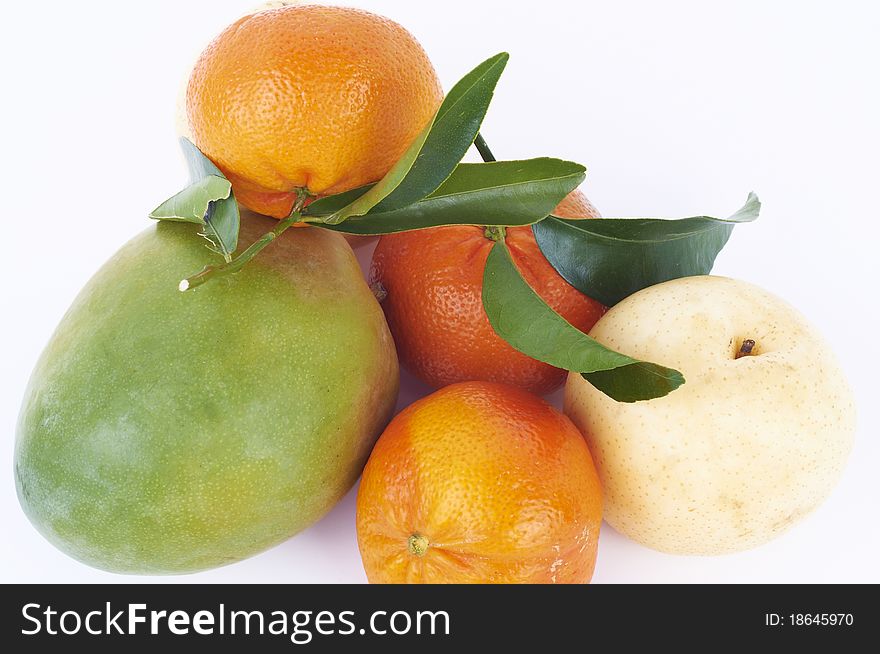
point(229, 374)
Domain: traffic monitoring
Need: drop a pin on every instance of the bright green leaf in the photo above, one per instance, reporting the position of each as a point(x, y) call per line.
point(524, 320)
point(207, 201)
point(436, 152)
point(505, 193)
point(191, 204)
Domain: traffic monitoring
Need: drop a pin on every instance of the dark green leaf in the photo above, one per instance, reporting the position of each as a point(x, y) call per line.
point(333, 203)
point(610, 259)
point(437, 150)
point(504, 193)
point(524, 320)
point(207, 201)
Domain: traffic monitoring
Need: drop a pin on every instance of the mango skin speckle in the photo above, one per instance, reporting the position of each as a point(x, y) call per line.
point(166, 432)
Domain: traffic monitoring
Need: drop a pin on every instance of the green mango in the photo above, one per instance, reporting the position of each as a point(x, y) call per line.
point(166, 432)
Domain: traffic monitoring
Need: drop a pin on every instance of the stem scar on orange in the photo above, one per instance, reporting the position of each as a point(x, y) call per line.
point(432, 282)
point(479, 483)
point(310, 97)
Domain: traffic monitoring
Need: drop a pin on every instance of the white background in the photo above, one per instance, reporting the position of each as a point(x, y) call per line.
point(677, 108)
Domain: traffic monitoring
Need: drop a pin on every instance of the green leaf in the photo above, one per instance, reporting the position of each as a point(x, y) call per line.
point(332, 203)
point(221, 227)
point(192, 203)
point(207, 201)
point(505, 193)
point(436, 152)
point(524, 320)
point(610, 259)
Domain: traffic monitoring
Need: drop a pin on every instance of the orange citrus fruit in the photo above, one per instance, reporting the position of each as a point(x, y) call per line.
point(479, 483)
point(310, 97)
point(432, 285)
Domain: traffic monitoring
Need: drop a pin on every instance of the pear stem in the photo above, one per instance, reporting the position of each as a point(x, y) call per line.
point(746, 348)
point(236, 264)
